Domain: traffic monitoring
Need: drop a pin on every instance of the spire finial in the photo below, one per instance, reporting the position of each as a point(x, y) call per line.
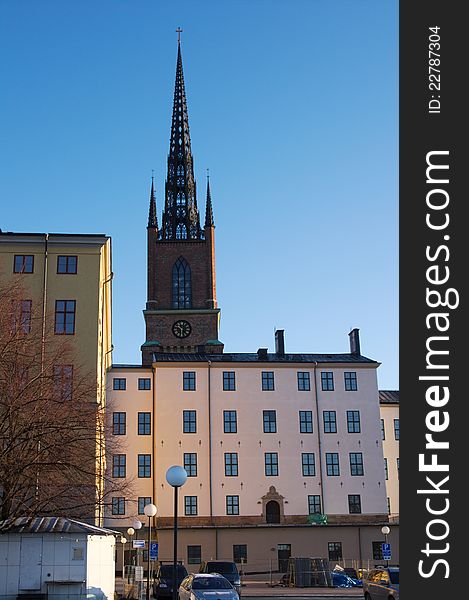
point(209, 222)
point(152, 214)
point(179, 31)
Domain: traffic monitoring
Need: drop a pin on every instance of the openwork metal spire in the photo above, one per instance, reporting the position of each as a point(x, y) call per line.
point(152, 215)
point(181, 218)
point(209, 222)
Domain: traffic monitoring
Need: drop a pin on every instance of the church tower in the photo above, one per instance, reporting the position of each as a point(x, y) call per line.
point(181, 312)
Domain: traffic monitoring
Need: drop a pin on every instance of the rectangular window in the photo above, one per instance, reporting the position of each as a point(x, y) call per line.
point(63, 382)
point(194, 555)
point(396, 429)
point(23, 263)
point(21, 316)
point(190, 463)
point(190, 505)
point(232, 505)
point(229, 381)
point(144, 423)
point(119, 423)
point(229, 421)
point(383, 432)
point(354, 504)
point(377, 550)
point(268, 381)
point(303, 381)
point(314, 505)
point(118, 465)
point(356, 463)
point(65, 317)
point(332, 464)
point(308, 464)
point(240, 553)
point(327, 381)
point(350, 380)
point(270, 421)
point(386, 468)
point(189, 421)
point(142, 502)
point(144, 383)
point(188, 381)
point(118, 505)
point(397, 463)
point(306, 421)
point(67, 265)
point(330, 421)
point(271, 464)
point(119, 383)
point(389, 505)
point(144, 465)
point(335, 550)
point(353, 421)
point(231, 464)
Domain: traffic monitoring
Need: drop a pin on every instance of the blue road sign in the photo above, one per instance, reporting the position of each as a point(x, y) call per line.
point(386, 551)
point(154, 551)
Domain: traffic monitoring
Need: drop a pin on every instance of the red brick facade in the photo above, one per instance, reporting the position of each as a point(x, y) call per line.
point(160, 316)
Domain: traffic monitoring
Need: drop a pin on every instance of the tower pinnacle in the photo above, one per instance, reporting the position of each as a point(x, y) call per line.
point(152, 214)
point(208, 206)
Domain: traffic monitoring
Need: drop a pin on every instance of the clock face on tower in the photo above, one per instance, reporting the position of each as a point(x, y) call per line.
point(182, 329)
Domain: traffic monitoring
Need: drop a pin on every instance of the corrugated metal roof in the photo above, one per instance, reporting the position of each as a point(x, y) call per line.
point(244, 357)
point(51, 525)
point(389, 396)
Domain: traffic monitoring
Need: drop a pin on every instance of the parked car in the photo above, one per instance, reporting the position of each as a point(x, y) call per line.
point(382, 584)
point(341, 579)
point(207, 585)
point(229, 570)
point(163, 582)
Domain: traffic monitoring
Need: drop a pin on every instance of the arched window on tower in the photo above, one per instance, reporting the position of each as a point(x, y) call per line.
point(182, 290)
point(181, 232)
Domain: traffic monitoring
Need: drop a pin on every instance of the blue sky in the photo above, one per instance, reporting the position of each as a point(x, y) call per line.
point(292, 106)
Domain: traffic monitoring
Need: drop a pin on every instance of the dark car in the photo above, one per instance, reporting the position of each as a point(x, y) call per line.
point(163, 582)
point(229, 570)
point(382, 584)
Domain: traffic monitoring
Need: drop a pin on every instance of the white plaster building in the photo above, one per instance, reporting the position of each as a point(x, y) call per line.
point(267, 440)
point(389, 409)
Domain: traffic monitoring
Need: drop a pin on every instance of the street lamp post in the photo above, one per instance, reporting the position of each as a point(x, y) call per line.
point(385, 531)
point(123, 542)
point(137, 525)
point(130, 533)
point(176, 477)
point(150, 510)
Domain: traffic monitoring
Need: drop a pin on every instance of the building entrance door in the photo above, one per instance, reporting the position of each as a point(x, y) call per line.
point(30, 563)
point(283, 555)
point(272, 512)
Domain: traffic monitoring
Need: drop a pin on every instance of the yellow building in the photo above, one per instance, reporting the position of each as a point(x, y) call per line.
point(65, 281)
point(389, 410)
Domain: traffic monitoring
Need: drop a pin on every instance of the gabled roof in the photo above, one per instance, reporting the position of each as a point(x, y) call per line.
point(51, 525)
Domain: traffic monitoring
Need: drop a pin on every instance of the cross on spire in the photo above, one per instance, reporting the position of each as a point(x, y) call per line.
point(179, 31)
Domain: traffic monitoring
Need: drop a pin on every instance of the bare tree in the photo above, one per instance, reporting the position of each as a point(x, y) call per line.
point(53, 424)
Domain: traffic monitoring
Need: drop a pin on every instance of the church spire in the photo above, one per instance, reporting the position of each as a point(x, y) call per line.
point(208, 206)
point(181, 220)
point(152, 214)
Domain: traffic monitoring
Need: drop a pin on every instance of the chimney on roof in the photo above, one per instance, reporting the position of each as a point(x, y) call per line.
point(354, 336)
point(280, 342)
point(262, 354)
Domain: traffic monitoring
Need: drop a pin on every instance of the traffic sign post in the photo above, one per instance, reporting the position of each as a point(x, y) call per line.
point(154, 551)
point(386, 551)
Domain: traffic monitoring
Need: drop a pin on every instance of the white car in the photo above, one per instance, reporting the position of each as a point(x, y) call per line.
point(198, 586)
